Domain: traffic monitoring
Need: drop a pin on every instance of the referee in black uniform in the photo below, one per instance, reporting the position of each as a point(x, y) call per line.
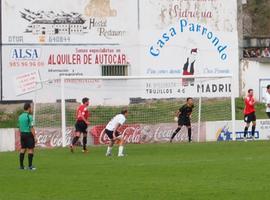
point(28, 136)
point(184, 115)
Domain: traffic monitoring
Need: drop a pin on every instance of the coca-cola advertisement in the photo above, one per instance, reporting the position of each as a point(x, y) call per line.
point(131, 133)
point(47, 137)
point(143, 133)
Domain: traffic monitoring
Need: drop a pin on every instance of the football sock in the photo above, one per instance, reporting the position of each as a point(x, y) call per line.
point(30, 159)
point(189, 134)
point(120, 150)
point(245, 132)
point(75, 139)
point(84, 143)
point(21, 159)
point(175, 132)
point(253, 130)
point(109, 150)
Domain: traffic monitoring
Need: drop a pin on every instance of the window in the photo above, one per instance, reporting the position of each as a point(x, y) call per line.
point(114, 70)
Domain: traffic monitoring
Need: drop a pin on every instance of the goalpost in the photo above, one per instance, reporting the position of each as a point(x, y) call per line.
point(152, 101)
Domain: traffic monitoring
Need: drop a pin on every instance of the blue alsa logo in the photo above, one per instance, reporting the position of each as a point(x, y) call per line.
point(25, 53)
point(224, 134)
point(185, 26)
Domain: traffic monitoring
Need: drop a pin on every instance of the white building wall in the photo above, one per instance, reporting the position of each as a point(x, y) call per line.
point(256, 76)
point(7, 140)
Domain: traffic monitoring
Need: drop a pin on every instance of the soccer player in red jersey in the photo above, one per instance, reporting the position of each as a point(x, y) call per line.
point(249, 114)
point(82, 117)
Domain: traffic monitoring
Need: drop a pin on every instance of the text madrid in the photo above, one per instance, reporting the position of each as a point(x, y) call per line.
point(191, 27)
point(204, 88)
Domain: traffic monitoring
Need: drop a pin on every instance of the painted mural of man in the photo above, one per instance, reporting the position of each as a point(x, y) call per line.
point(188, 68)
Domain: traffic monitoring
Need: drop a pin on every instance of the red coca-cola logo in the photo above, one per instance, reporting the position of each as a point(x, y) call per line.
point(52, 137)
point(48, 137)
point(137, 134)
point(130, 133)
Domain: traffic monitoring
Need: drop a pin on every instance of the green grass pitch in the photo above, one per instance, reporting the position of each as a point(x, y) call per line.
point(229, 170)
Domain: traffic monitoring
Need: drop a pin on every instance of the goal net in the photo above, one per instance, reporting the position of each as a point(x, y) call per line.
point(47, 114)
point(152, 103)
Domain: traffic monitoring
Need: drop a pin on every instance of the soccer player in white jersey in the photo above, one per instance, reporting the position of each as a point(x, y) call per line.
point(115, 136)
point(267, 100)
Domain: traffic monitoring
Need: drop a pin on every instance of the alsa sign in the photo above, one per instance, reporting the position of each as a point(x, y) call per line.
point(25, 53)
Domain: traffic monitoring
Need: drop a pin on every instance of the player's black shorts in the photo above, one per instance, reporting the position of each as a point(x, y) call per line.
point(184, 121)
point(27, 141)
point(268, 114)
point(110, 133)
point(81, 127)
point(250, 117)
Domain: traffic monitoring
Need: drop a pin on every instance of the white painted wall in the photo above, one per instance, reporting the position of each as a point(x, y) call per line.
point(254, 75)
point(7, 140)
point(222, 130)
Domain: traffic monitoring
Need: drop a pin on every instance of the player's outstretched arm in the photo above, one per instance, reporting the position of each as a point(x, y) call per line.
point(177, 113)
